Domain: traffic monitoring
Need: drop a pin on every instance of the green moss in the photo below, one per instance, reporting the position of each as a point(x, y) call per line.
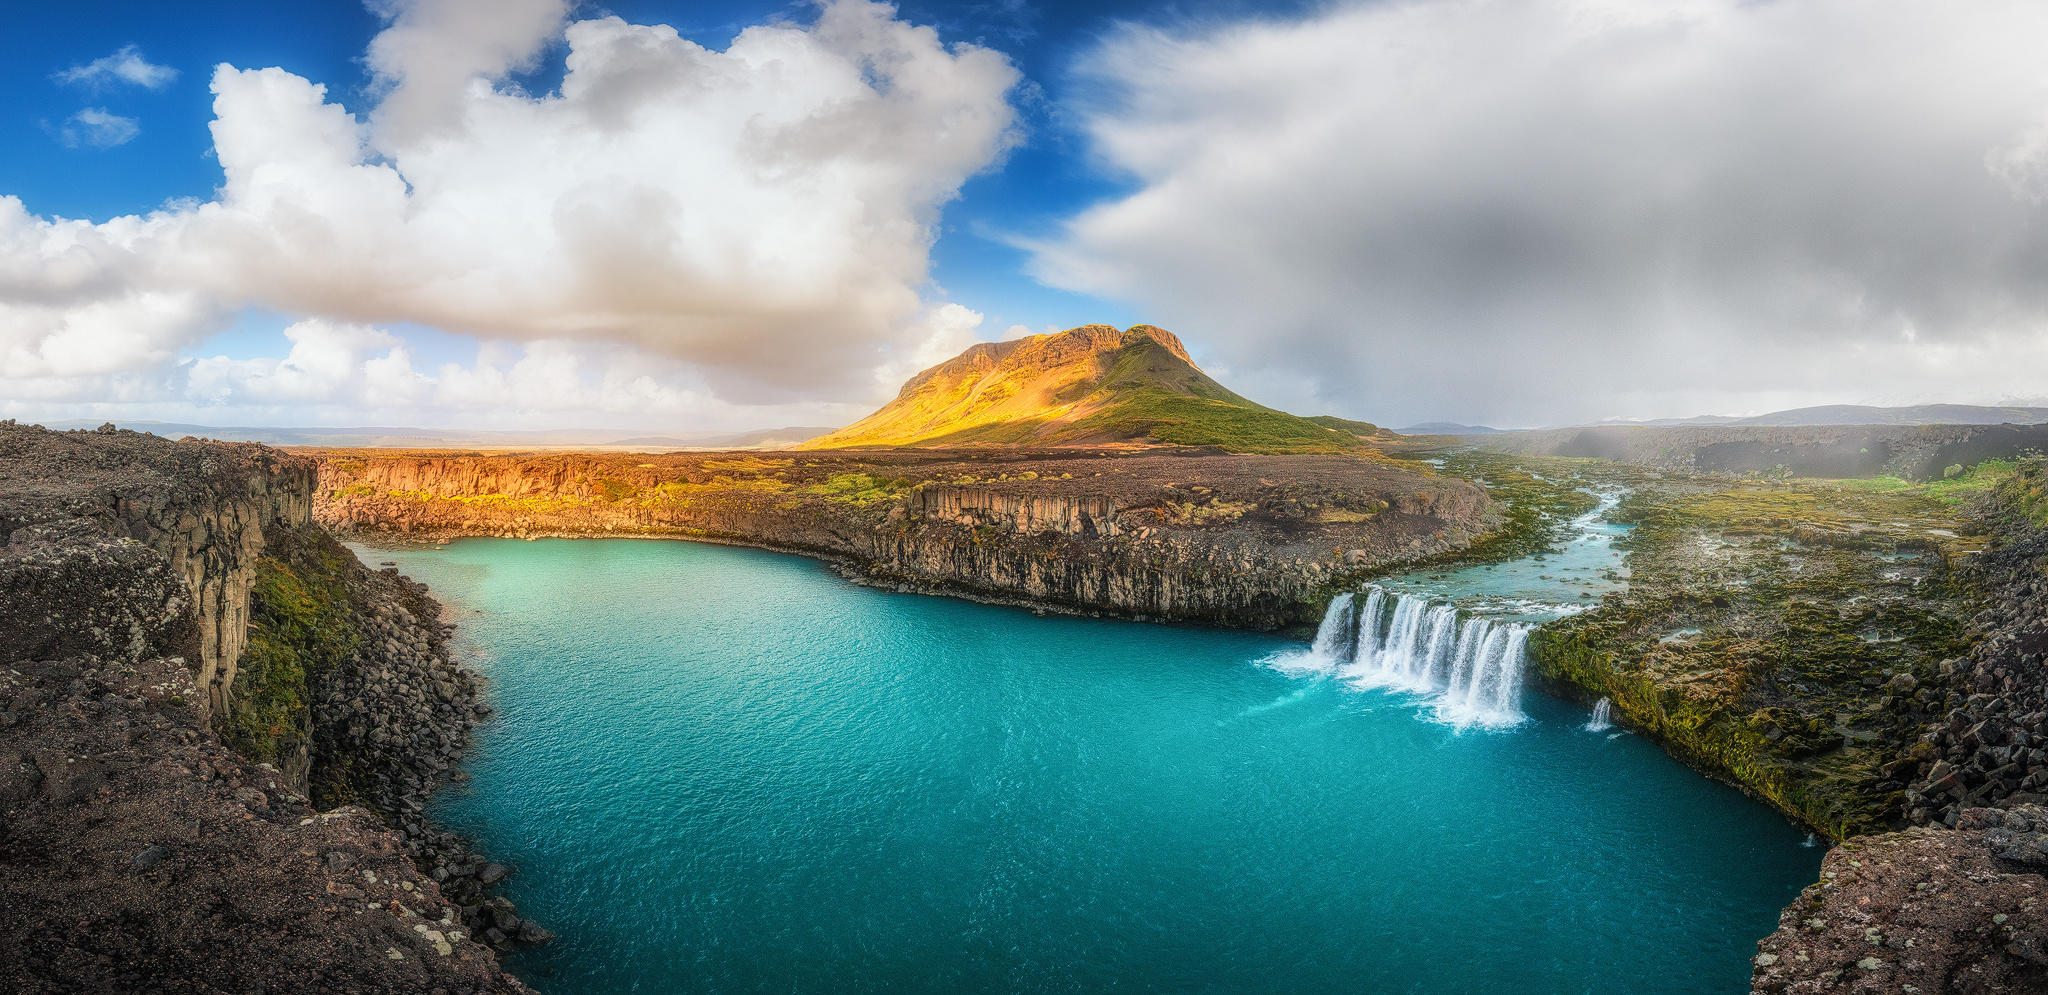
point(1957, 486)
point(2021, 497)
point(300, 626)
point(859, 488)
point(1541, 497)
point(1798, 613)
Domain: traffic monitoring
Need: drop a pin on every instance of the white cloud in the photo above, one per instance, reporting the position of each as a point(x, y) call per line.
point(1540, 210)
point(98, 128)
point(759, 217)
point(947, 330)
point(338, 373)
point(125, 66)
point(326, 363)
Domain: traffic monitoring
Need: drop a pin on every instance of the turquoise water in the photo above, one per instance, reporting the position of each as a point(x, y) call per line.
point(1570, 578)
point(727, 770)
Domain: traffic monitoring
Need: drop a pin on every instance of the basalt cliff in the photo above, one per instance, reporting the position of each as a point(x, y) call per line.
point(217, 730)
point(1184, 535)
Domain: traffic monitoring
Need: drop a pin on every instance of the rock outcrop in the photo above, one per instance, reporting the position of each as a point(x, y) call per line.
point(1962, 911)
point(1241, 540)
point(202, 509)
point(1991, 746)
point(165, 602)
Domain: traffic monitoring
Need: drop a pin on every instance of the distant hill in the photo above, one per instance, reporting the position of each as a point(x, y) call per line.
point(1092, 385)
point(1861, 414)
point(766, 438)
point(428, 438)
point(1363, 429)
point(1448, 428)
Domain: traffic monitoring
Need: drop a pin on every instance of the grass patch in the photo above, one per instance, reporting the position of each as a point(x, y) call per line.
point(1959, 486)
point(1188, 420)
point(859, 488)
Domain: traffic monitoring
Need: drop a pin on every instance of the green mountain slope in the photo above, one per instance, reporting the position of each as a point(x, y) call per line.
point(1086, 386)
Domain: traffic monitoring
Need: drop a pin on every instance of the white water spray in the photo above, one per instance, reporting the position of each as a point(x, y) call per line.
point(1471, 668)
point(1333, 637)
point(1603, 716)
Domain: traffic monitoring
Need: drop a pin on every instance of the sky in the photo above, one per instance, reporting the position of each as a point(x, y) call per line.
point(717, 217)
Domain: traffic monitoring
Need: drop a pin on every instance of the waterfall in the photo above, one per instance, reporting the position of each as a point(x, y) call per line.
point(1471, 669)
point(1603, 716)
point(1333, 637)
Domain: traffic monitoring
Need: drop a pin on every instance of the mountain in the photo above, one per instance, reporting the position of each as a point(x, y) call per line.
point(1449, 428)
point(1863, 414)
point(430, 438)
point(766, 438)
point(1092, 385)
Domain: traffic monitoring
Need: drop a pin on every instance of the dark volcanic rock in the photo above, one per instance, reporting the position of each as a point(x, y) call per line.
point(1927, 910)
point(137, 853)
point(1958, 903)
point(1991, 745)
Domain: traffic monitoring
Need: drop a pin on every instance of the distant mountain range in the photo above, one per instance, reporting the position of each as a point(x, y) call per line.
point(1448, 428)
point(1087, 386)
point(1091, 385)
point(1828, 414)
point(430, 438)
point(1860, 414)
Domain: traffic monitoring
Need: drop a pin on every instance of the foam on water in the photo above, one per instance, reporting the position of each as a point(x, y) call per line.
point(1468, 671)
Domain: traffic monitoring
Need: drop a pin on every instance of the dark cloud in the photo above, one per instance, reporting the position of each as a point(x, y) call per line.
point(1550, 211)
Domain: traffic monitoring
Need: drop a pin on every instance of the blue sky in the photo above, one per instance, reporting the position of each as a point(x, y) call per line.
point(539, 213)
point(171, 156)
point(1045, 178)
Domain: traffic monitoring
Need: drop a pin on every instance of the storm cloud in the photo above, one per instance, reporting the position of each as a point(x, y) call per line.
point(1538, 211)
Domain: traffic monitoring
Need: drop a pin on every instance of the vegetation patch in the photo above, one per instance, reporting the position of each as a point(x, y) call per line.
point(2021, 496)
point(1204, 512)
point(859, 488)
point(612, 490)
point(300, 627)
point(746, 464)
point(1541, 498)
point(1782, 636)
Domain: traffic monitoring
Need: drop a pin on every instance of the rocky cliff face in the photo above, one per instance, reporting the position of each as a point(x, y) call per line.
point(165, 601)
point(202, 509)
point(1961, 911)
point(1227, 539)
point(1990, 745)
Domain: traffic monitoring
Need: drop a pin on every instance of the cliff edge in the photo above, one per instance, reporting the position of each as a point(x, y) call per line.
point(165, 601)
point(1228, 539)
